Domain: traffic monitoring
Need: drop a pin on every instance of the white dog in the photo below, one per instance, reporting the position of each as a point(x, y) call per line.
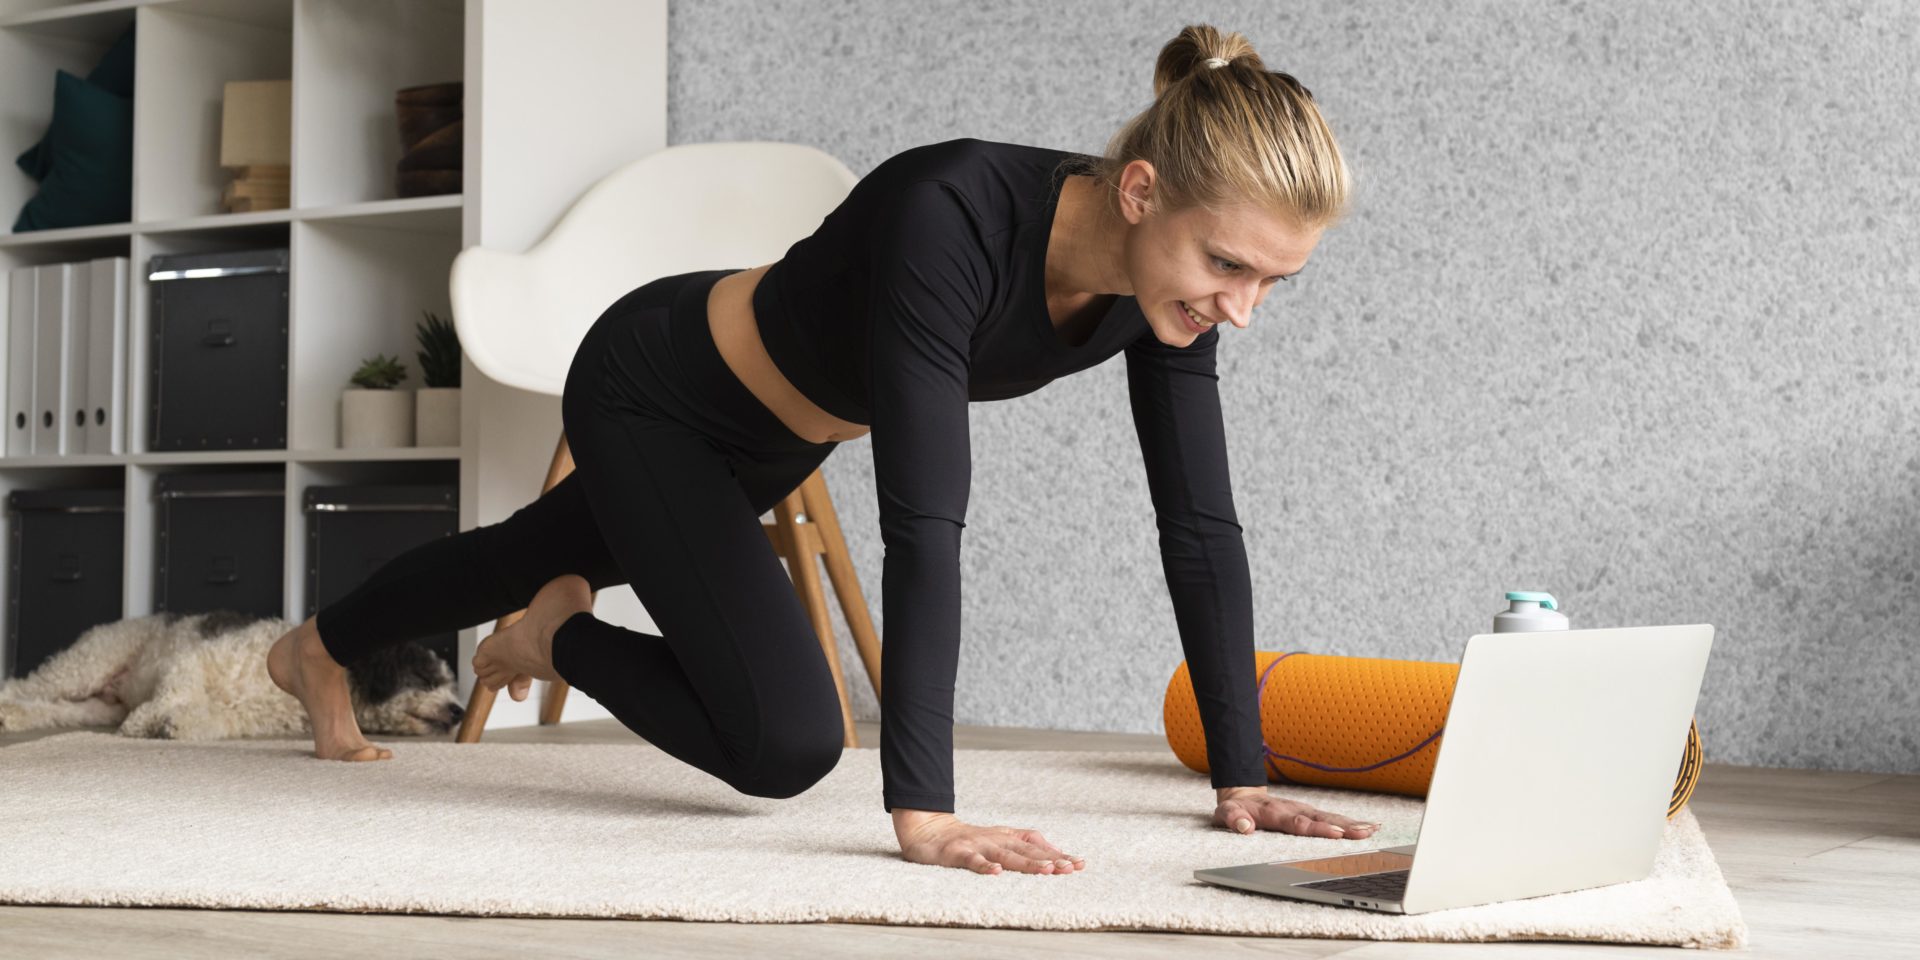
point(204, 676)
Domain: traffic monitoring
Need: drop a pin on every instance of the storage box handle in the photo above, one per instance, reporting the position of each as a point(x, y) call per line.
point(219, 334)
point(223, 571)
point(66, 568)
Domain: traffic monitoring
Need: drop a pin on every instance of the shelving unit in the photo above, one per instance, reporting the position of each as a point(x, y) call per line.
point(363, 263)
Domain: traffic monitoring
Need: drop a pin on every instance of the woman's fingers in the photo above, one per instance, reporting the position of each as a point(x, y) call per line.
point(1291, 817)
point(1013, 860)
point(1350, 825)
point(979, 863)
point(987, 850)
point(1303, 825)
point(1046, 849)
point(520, 686)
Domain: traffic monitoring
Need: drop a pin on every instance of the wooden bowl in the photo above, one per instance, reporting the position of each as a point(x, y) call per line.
point(422, 110)
point(439, 150)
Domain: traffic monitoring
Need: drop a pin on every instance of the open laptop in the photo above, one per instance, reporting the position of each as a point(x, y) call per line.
point(1554, 774)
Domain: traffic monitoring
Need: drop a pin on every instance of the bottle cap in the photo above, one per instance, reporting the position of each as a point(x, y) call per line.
point(1543, 599)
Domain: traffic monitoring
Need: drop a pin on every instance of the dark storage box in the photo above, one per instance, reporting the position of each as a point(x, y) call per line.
point(222, 542)
point(219, 362)
point(354, 530)
point(64, 570)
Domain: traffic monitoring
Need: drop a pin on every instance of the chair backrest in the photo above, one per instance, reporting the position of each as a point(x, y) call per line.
point(698, 206)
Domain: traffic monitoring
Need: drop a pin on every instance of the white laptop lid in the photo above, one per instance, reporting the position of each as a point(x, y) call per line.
point(1569, 742)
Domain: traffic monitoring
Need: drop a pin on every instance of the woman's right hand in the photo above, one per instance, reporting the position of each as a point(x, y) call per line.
point(942, 839)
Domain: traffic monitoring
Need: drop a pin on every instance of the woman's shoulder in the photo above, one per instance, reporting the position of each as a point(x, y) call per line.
point(972, 165)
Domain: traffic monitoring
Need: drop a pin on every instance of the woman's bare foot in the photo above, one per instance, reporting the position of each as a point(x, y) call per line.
point(300, 665)
point(522, 652)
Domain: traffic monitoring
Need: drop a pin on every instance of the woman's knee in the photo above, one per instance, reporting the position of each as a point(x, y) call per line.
point(795, 754)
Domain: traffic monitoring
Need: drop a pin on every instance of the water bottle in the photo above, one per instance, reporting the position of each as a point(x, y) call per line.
point(1529, 610)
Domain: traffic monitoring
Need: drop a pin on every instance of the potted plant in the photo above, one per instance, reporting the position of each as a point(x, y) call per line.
point(373, 413)
point(436, 407)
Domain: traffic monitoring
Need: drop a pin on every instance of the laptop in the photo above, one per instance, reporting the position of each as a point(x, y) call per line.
point(1554, 774)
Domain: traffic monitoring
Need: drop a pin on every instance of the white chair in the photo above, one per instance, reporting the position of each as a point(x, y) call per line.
point(700, 206)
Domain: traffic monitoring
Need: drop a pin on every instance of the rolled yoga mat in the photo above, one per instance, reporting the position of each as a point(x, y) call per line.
point(1353, 722)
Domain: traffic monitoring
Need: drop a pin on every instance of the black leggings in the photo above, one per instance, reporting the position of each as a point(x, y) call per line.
point(675, 463)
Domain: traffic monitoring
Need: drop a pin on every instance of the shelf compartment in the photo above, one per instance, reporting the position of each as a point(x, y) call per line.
point(353, 56)
point(140, 320)
point(187, 52)
point(33, 47)
point(379, 281)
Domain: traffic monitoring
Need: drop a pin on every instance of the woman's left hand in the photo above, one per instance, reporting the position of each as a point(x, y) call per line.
point(1246, 809)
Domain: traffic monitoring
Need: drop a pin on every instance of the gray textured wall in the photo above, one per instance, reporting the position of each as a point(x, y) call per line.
point(1625, 312)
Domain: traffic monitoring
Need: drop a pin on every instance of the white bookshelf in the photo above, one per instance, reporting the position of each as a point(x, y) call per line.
point(363, 263)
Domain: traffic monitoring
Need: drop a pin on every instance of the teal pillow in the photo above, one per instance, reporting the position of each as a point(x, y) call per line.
point(90, 179)
point(113, 73)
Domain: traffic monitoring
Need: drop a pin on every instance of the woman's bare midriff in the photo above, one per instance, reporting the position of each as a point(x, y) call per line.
point(737, 336)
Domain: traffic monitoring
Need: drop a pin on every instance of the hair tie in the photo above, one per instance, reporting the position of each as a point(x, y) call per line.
point(1215, 62)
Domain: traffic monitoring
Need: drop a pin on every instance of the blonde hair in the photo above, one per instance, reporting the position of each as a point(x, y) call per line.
point(1224, 130)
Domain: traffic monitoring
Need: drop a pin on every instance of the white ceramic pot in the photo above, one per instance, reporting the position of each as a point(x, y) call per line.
point(436, 417)
point(376, 418)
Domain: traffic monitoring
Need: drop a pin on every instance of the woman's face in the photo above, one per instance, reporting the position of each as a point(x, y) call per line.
point(1219, 265)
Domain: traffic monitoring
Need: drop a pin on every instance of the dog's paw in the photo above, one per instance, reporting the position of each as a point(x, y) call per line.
point(150, 724)
point(13, 718)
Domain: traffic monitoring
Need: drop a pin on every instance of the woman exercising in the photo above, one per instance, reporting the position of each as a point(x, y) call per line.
point(960, 271)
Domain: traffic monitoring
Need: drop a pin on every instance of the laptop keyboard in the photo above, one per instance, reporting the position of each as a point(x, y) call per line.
point(1391, 885)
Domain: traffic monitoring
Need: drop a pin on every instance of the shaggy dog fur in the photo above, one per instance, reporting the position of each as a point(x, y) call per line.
point(204, 676)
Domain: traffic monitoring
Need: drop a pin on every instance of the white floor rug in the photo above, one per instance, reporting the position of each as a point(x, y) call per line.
point(593, 830)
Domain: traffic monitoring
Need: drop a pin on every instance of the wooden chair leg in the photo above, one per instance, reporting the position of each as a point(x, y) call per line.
point(846, 586)
point(480, 704)
point(802, 541)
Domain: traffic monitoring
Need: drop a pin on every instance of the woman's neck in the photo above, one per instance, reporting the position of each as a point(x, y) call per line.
point(1086, 247)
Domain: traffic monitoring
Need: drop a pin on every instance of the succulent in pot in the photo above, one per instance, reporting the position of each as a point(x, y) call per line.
point(372, 412)
point(436, 408)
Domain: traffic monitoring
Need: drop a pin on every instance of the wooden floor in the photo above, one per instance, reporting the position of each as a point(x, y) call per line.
point(1823, 864)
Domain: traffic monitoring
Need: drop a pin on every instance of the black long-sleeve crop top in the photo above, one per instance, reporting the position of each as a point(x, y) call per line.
point(925, 289)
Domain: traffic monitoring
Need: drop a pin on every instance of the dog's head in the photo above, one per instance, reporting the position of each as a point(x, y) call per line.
point(404, 689)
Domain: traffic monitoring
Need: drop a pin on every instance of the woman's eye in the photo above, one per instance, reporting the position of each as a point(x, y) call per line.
point(1225, 264)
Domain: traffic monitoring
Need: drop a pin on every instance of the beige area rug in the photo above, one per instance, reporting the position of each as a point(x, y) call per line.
point(608, 830)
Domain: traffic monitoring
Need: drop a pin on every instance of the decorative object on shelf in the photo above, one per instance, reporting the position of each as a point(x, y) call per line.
point(436, 406)
point(218, 359)
point(256, 144)
point(430, 138)
point(372, 412)
point(85, 161)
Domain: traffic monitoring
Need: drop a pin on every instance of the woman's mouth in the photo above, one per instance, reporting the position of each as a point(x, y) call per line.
point(1194, 323)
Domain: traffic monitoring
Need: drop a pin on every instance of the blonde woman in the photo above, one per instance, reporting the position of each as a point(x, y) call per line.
point(955, 272)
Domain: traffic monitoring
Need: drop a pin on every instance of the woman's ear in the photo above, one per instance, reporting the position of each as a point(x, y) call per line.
point(1136, 191)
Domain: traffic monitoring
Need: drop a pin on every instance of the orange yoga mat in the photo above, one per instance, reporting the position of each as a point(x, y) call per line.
point(1353, 722)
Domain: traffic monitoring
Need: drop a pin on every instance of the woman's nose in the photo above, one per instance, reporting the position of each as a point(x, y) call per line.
point(1235, 307)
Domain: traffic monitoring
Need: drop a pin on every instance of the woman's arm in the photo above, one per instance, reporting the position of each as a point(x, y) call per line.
point(929, 282)
point(1175, 396)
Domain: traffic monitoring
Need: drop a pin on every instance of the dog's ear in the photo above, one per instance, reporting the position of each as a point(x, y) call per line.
point(221, 621)
point(386, 671)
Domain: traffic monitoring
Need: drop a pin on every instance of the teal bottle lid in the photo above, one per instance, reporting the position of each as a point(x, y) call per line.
point(1543, 599)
